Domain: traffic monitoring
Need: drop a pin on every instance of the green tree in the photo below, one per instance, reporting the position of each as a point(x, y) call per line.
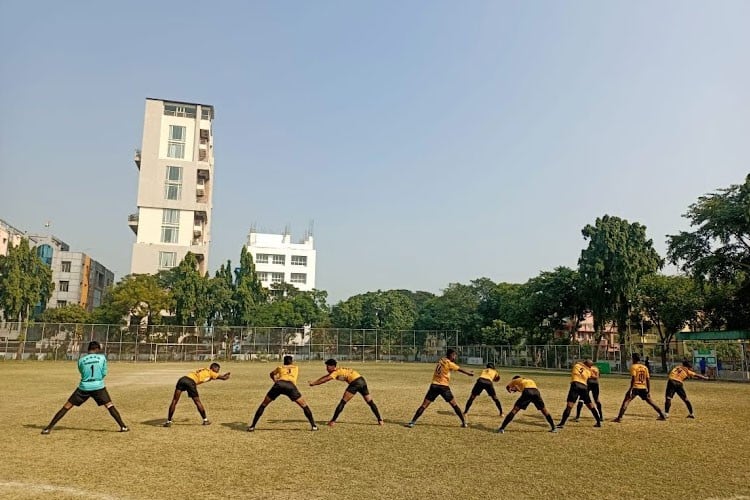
point(617, 258)
point(190, 293)
point(138, 295)
point(456, 309)
point(671, 303)
point(717, 251)
point(553, 303)
point(71, 313)
point(221, 296)
point(248, 292)
point(24, 281)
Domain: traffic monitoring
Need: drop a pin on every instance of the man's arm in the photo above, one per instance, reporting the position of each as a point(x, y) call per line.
point(470, 374)
point(648, 385)
point(272, 375)
point(321, 380)
point(224, 377)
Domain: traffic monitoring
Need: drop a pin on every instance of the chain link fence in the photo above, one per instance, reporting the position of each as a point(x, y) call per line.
point(47, 341)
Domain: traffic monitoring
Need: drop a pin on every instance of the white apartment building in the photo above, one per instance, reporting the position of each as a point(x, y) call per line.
point(9, 236)
point(176, 167)
point(278, 260)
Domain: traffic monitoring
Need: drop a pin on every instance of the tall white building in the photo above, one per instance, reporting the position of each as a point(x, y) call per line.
point(279, 260)
point(176, 167)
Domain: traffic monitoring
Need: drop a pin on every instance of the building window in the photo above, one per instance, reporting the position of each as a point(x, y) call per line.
point(64, 286)
point(176, 144)
point(262, 276)
point(173, 183)
point(299, 260)
point(65, 266)
point(206, 114)
point(179, 110)
point(298, 278)
point(167, 260)
point(261, 258)
point(170, 225)
point(62, 303)
point(277, 277)
point(279, 259)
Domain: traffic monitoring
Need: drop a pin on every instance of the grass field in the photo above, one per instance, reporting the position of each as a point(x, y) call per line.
point(85, 456)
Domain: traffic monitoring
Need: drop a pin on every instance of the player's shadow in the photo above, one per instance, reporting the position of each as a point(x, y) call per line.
point(268, 425)
point(66, 428)
point(158, 422)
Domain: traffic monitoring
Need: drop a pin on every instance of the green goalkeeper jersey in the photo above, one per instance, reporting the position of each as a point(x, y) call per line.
point(93, 369)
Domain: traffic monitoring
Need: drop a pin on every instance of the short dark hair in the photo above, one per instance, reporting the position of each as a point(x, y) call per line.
point(331, 362)
point(288, 360)
point(94, 345)
point(217, 365)
point(517, 376)
point(491, 365)
point(449, 352)
point(635, 357)
point(687, 363)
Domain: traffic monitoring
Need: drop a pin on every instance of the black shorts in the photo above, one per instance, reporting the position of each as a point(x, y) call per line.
point(483, 384)
point(358, 385)
point(286, 388)
point(530, 396)
point(578, 390)
point(436, 390)
point(641, 393)
point(189, 385)
point(675, 387)
point(79, 396)
point(593, 388)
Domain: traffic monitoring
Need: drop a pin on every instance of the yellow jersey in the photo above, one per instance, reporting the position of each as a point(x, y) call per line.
point(202, 375)
point(640, 376)
point(580, 373)
point(519, 384)
point(489, 374)
point(680, 373)
point(288, 373)
point(594, 373)
point(443, 369)
point(347, 375)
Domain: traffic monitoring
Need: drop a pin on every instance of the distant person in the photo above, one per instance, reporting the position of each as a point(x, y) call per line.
point(677, 376)
point(441, 379)
point(647, 364)
point(284, 383)
point(357, 384)
point(592, 386)
point(529, 394)
point(640, 385)
point(579, 376)
point(93, 369)
point(190, 383)
point(702, 364)
point(485, 383)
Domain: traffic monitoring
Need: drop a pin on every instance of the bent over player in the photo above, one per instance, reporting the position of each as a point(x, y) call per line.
point(93, 368)
point(357, 384)
point(529, 394)
point(592, 385)
point(640, 385)
point(190, 383)
point(677, 376)
point(579, 376)
point(484, 383)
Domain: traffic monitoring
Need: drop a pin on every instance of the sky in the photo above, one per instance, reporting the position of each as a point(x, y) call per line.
point(427, 143)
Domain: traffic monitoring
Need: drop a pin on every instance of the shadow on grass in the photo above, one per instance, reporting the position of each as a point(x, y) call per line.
point(158, 422)
point(66, 428)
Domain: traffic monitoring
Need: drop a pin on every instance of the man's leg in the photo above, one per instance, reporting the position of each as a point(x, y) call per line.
point(259, 412)
point(116, 415)
point(469, 402)
point(458, 411)
point(508, 419)
point(60, 414)
point(344, 399)
point(308, 413)
point(623, 407)
point(201, 410)
point(566, 414)
point(658, 410)
point(688, 404)
point(548, 417)
point(419, 412)
point(595, 413)
point(172, 406)
point(498, 405)
point(374, 408)
point(579, 406)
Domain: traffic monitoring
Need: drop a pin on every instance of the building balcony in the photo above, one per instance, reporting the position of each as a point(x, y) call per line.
point(133, 222)
point(197, 230)
point(137, 158)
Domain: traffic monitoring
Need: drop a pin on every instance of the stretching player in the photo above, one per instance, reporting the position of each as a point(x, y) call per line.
point(357, 384)
point(484, 383)
point(675, 385)
point(592, 385)
point(529, 394)
point(190, 383)
point(640, 385)
point(579, 377)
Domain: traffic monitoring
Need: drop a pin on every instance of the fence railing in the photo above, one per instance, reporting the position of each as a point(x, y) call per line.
point(47, 341)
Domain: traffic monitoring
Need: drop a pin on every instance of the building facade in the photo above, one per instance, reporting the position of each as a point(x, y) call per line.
point(176, 167)
point(9, 236)
point(278, 260)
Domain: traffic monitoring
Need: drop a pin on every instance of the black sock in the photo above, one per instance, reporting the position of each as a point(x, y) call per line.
point(309, 415)
point(565, 416)
point(499, 406)
point(550, 421)
point(116, 415)
point(578, 409)
point(599, 407)
point(509, 417)
point(667, 405)
point(258, 414)
point(690, 407)
point(468, 405)
point(457, 409)
point(338, 410)
point(595, 413)
point(374, 409)
point(203, 413)
point(60, 414)
point(418, 414)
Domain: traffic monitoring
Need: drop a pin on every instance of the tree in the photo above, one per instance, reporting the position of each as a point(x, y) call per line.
point(617, 258)
point(456, 309)
point(24, 281)
point(718, 250)
point(137, 295)
point(553, 303)
point(671, 302)
point(248, 292)
point(221, 293)
point(71, 313)
point(190, 293)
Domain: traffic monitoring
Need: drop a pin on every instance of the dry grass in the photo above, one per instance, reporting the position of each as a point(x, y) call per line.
point(85, 457)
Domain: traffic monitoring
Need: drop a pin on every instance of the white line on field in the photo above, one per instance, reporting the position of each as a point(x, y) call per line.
point(51, 488)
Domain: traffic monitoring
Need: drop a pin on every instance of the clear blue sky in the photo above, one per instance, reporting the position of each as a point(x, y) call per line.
point(430, 142)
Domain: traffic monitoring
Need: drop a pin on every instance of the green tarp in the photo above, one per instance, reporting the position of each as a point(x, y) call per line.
point(717, 335)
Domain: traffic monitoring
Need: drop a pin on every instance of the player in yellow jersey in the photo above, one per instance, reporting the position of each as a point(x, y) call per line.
point(439, 387)
point(677, 376)
point(579, 377)
point(592, 385)
point(529, 394)
point(484, 383)
point(357, 384)
point(189, 383)
point(640, 385)
point(284, 382)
